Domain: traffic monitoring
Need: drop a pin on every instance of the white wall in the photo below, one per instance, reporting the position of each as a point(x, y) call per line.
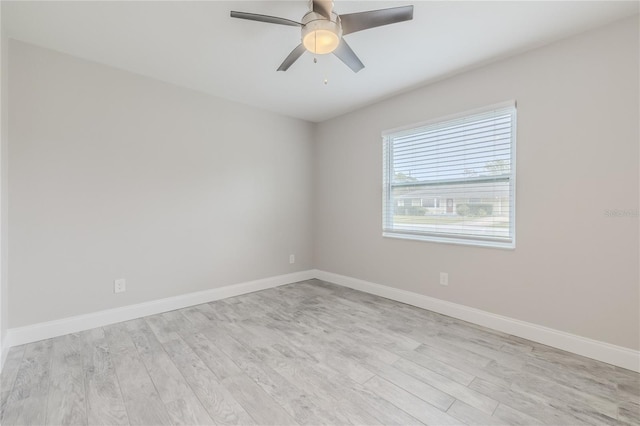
point(115, 175)
point(574, 269)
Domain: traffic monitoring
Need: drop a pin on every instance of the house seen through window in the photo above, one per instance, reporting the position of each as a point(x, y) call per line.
point(453, 180)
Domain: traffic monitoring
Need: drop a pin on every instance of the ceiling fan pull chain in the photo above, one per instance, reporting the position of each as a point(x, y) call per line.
point(326, 73)
point(315, 50)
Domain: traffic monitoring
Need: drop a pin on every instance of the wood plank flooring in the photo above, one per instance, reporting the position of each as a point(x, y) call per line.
point(308, 353)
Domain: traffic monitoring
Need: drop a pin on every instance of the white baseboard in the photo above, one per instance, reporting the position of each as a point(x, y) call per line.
point(601, 351)
point(46, 330)
point(4, 351)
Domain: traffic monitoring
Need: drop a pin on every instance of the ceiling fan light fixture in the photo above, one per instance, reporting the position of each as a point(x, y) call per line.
point(321, 41)
point(321, 36)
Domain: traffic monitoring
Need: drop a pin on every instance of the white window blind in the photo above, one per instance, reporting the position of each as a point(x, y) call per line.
point(453, 180)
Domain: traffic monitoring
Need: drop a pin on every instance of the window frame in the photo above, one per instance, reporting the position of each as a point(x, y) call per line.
point(387, 205)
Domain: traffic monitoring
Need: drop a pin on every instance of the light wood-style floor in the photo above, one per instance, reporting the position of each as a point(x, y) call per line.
point(309, 353)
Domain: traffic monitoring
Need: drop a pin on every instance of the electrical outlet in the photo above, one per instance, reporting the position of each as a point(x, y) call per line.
point(292, 258)
point(120, 286)
point(444, 278)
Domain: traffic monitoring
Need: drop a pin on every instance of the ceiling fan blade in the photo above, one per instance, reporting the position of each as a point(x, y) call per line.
point(346, 55)
point(323, 7)
point(264, 18)
point(352, 22)
point(293, 56)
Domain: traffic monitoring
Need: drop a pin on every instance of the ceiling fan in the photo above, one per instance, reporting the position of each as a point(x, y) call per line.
point(323, 29)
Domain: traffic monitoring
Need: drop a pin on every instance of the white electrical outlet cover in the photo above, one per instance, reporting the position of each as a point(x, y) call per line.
point(120, 286)
point(444, 278)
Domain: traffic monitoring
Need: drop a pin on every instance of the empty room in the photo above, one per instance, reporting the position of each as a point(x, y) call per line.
point(320, 212)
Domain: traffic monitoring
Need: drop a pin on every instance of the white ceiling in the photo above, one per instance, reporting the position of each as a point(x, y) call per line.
point(196, 44)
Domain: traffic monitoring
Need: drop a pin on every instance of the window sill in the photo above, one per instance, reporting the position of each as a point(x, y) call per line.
point(507, 245)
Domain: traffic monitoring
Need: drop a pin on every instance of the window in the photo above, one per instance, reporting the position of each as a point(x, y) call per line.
point(468, 162)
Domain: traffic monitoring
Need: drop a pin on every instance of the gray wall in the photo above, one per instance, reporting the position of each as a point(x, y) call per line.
point(114, 175)
point(574, 269)
point(4, 138)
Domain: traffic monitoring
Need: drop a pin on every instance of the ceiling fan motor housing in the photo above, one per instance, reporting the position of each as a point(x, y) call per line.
point(319, 34)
